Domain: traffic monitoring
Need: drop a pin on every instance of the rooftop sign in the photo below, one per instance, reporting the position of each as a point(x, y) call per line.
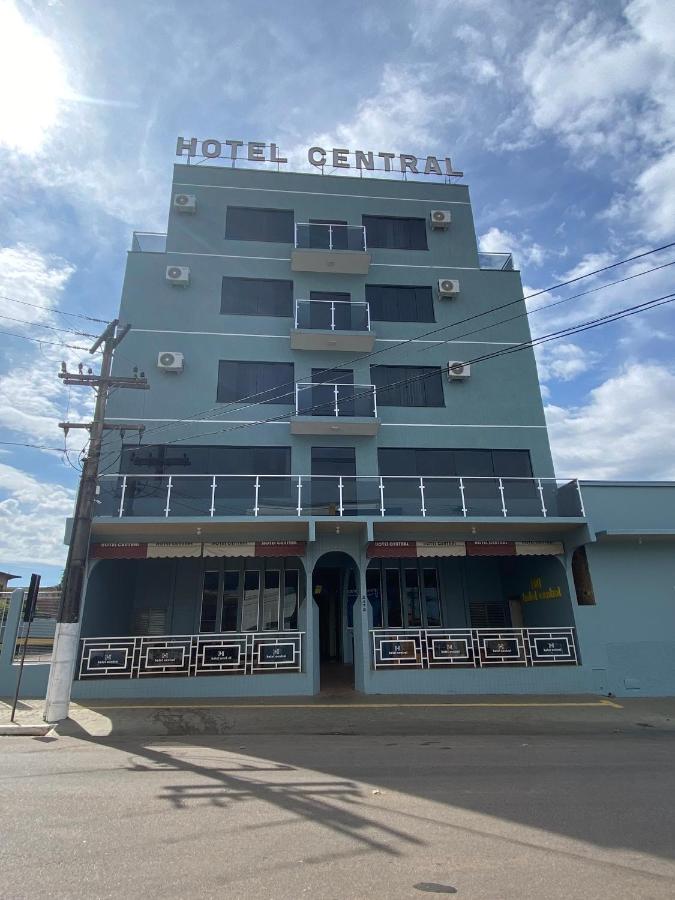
point(319, 157)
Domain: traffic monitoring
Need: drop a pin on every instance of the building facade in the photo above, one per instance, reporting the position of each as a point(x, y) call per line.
point(345, 470)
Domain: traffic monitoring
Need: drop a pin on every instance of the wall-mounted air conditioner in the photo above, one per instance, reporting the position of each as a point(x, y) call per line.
point(458, 370)
point(440, 218)
point(178, 275)
point(171, 361)
point(448, 287)
point(185, 203)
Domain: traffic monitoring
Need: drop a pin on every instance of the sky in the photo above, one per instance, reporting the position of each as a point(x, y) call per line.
point(561, 115)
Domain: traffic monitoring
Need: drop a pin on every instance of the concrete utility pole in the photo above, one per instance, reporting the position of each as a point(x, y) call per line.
point(66, 636)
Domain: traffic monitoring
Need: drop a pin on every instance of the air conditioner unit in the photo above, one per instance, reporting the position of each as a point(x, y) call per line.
point(178, 275)
point(185, 203)
point(170, 361)
point(448, 287)
point(440, 218)
point(458, 370)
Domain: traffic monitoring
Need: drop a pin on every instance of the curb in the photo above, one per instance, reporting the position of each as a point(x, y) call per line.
point(25, 730)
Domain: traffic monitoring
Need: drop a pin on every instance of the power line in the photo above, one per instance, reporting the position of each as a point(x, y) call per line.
point(292, 384)
point(51, 327)
point(25, 337)
point(33, 446)
point(524, 345)
point(60, 312)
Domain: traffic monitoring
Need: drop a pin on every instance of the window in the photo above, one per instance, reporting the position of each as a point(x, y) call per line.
point(238, 381)
point(271, 598)
point(244, 223)
point(412, 597)
point(322, 238)
point(581, 573)
point(249, 609)
point(400, 303)
point(209, 615)
point(333, 461)
point(256, 297)
point(489, 614)
point(340, 314)
point(230, 601)
point(396, 233)
point(186, 460)
point(290, 611)
point(410, 385)
point(442, 462)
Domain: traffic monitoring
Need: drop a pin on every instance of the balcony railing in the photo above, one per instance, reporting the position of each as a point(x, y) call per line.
point(340, 400)
point(376, 496)
point(228, 653)
point(333, 315)
point(500, 261)
point(429, 648)
point(317, 236)
point(148, 242)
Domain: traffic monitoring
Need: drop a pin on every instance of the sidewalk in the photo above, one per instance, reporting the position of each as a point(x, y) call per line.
point(356, 714)
point(28, 720)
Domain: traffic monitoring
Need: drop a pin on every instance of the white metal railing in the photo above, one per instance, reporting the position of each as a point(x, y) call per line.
point(340, 315)
point(148, 242)
point(226, 653)
point(380, 496)
point(343, 400)
point(503, 262)
point(428, 648)
point(326, 236)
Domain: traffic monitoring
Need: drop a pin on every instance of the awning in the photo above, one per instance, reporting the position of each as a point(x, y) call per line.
point(416, 549)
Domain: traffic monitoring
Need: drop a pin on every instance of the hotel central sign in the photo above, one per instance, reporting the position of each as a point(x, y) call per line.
point(319, 157)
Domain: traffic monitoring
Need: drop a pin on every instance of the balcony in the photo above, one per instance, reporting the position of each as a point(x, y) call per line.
point(335, 409)
point(373, 496)
point(501, 262)
point(148, 242)
point(324, 247)
point(332, 325)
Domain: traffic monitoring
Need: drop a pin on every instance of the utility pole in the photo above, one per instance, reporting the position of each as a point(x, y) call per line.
point(66, 637)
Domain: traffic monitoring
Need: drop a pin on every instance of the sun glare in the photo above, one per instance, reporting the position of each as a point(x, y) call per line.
point(32, 79)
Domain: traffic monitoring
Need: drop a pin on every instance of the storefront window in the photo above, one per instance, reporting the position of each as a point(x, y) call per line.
point(431, 597)
point(374, 592)
point(230, 601)
point(412, 597)
point(271, 597)
point(249, 611)
point(209, 602)
point(392, 583)
point(291, 599)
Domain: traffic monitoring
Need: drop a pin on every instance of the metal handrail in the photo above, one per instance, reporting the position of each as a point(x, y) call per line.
point(333, 304)
point(383, 501)
point(308, 385)
point(330, 227)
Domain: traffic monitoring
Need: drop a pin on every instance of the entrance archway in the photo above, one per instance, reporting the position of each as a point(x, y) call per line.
point(335, 580)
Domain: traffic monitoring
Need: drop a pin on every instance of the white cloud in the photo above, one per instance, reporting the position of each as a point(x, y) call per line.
point(32, 80)
point(32, 398)
point(563, 361)
point(32, 518)
point(405, 114)
point(604, 86)
point(525, 251)
point(626, 429)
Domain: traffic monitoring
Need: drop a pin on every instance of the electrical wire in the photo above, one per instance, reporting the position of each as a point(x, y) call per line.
point(524, 345)
point(51, 327)
point(219, 410)
point(25, 337)
point(59, 312)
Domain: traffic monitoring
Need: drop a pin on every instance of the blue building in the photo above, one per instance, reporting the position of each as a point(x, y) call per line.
point(345, 471)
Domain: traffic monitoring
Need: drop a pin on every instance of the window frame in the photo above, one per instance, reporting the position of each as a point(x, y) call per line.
point(289, 238)
point(420, 386)
point(389, 225)
point(426, 307)
point(243, 310)
point(238, 395)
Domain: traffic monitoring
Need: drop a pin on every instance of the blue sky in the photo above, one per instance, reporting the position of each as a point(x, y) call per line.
point(561, 115)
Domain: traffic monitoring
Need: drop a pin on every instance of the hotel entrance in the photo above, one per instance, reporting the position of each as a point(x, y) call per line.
point(334, 591)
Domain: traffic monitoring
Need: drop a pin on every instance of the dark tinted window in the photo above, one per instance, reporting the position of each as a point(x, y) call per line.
point(244, 223)
point(262, 382)
point(396, 233)
point(400, 303)
point(256, 297)
point(333, 461)
point(174, 460)
point(410, 385)
point(428, 462)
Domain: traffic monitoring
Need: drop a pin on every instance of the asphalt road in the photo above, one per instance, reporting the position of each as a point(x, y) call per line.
point(489, 814)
